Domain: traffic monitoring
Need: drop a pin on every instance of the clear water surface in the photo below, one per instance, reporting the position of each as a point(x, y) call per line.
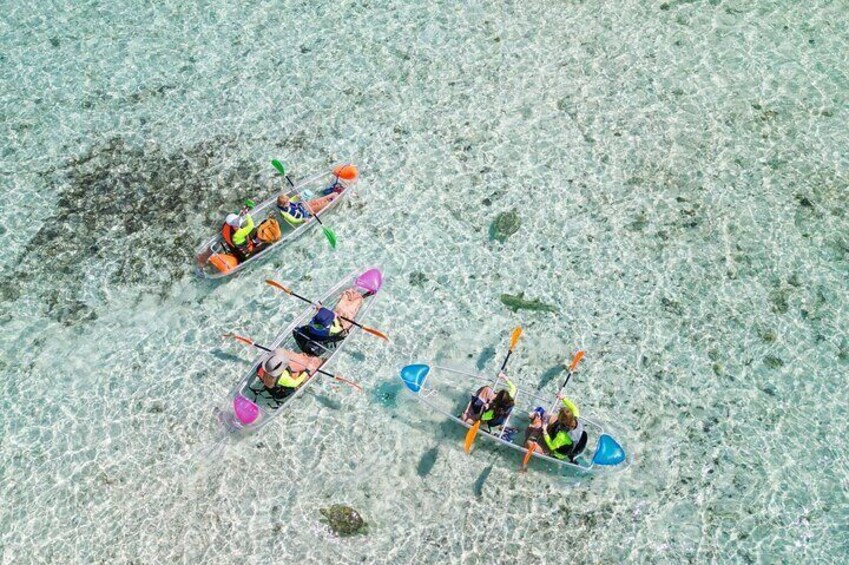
point(680, 173)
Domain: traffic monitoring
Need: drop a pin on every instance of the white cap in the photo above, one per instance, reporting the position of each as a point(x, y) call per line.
point(276, 362)
point(234, 220)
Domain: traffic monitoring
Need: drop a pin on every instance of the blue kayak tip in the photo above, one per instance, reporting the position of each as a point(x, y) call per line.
point(414, 376)
point(608, 452)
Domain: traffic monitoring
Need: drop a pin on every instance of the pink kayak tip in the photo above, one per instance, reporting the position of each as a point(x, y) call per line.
point(370, 280)
point(246, 411)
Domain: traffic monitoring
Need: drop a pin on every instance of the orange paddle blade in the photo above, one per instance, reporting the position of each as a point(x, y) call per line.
point(239, 338)
point(276, 284)
point(514, 337)
point(347, 382)
point(375, 332)
point(470, 436)
point(575, 360)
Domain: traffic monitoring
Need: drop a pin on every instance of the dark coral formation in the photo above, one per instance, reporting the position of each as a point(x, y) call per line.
point(127, 215)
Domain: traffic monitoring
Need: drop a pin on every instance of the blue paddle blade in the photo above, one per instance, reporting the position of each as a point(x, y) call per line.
point(608, 452)
point(414, 376)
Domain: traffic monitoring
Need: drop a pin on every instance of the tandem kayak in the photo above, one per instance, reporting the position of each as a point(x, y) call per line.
point(447, 391)
point(249, 405)
point(215, 259)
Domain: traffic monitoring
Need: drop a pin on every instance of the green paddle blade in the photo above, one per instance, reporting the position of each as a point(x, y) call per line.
point(279, 166)
point(331, 237)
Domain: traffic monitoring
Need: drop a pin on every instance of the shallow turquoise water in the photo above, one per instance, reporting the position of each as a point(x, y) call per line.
point(681, 173)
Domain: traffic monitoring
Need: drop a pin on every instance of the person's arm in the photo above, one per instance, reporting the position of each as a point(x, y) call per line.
point(267, 380)
point(571, 406)
point(243, 232)
point(511, 388)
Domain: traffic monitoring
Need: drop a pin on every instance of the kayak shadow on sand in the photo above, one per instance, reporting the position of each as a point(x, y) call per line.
point(325, 400)
point(427, 461)
point(549, 375)
point(447, 430)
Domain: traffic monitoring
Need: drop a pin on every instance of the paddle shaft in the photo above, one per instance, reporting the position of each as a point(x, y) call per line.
point(258, 346)
point(307, 300)
point(304, 200)
point(514, 339)
point(569, 376)
point(503, 365)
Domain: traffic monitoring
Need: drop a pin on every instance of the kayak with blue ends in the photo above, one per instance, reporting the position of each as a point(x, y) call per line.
point(253, 402)
point(447, 391)
point(258, 228)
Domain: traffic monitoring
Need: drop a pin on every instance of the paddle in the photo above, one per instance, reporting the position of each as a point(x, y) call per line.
point(575, 360)
point(290, 292)
point(473, 432)
point(331, 237)
point(251, 342)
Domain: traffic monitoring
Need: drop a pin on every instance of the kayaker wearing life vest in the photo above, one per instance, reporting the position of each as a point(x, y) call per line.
point(324, 328)
point(297, 213)
point(328, 326)
point(489, 407)
point(237, 231)
point(562, 436)
point(283, 371)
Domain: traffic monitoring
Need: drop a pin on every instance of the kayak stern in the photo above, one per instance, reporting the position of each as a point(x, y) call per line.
point(414, 376)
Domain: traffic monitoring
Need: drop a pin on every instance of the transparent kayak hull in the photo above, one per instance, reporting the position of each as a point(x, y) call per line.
point(447, 391)
point(309, 189)
point(249, 407)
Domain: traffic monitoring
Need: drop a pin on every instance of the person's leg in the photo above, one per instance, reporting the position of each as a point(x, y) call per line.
point(534, 429)
point(348, 306)
point(475, 407)
point(578, 448)
point(319, 204)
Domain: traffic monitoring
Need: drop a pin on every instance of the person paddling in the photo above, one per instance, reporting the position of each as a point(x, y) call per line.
point(324, 328)
point(237, 231)
point(283, 371)
point(296, 213)
point(490, 407)
point(561, 436)
point(330, 326)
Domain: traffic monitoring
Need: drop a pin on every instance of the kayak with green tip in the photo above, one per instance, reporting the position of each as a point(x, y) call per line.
point(257, 229)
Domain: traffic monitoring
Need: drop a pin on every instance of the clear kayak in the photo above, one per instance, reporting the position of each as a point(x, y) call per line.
point(215, 259)
point(448, 391)
point(249, 405)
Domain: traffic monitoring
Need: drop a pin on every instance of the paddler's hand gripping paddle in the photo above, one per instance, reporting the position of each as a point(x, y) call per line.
point(473, 432)
point(328, 233)
point(288, 291)
point(575, 360)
